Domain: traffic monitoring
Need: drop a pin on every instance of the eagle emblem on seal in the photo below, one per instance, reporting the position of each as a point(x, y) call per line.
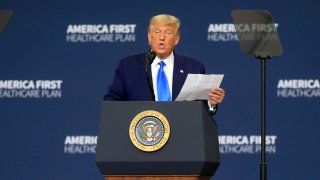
point(150, 130)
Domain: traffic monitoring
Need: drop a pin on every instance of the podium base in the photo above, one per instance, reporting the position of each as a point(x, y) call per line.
point(156, 177)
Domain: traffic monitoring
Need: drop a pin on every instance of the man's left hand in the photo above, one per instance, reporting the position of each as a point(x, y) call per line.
point(216, 96)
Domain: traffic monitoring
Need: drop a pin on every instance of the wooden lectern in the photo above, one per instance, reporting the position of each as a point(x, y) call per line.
point(191, 152)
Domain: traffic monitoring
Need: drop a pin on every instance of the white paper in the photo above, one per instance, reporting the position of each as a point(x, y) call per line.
point(197, 86)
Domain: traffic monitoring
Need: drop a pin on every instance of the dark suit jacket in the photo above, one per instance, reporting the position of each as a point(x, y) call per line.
point(130, 80)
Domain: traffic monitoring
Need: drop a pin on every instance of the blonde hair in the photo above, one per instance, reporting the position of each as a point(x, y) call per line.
point(164, 19)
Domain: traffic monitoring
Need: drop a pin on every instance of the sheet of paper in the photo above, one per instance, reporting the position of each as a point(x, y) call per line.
point(197, 86)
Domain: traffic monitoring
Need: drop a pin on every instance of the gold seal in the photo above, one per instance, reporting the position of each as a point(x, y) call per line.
point(149, 131)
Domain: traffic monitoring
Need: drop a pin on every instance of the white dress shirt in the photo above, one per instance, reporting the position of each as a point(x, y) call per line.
point(168, 69)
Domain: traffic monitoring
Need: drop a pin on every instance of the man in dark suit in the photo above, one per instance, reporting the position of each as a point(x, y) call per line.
point(130, 80)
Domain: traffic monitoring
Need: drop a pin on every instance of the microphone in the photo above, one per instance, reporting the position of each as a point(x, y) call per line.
point(150, 56)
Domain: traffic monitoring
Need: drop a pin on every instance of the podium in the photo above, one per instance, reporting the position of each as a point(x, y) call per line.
point(191, 151)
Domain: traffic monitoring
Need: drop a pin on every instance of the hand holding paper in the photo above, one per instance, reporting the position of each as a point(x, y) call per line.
point(197, 86)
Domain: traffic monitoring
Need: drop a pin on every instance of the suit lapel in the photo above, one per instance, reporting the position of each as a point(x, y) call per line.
point(179, 76)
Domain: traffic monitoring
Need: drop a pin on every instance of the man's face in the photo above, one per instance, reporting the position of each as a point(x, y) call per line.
point(163, 39)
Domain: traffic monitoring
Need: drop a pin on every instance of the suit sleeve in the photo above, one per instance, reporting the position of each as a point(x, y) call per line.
point(116, 91)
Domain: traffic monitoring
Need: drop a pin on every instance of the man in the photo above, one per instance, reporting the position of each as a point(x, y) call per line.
point(130, 81)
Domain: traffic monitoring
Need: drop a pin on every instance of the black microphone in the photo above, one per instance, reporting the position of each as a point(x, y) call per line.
point(150, 56)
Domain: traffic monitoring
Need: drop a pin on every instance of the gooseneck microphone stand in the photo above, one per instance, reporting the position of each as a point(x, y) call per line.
point(150, 56)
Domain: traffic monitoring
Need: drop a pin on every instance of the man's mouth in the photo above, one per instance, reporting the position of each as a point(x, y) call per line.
point(161, 45)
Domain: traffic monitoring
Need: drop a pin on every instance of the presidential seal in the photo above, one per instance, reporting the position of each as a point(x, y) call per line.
point(149, 131)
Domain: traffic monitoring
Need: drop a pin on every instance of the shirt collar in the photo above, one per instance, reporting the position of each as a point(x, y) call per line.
point(169, 61)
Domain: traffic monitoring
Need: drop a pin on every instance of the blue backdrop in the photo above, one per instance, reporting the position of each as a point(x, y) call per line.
point(55, 68)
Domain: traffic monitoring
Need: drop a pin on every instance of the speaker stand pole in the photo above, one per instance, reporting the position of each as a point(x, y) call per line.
point(263, 164)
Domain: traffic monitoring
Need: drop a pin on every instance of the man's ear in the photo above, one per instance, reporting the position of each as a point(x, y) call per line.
point(149, 37)
point(177, 40)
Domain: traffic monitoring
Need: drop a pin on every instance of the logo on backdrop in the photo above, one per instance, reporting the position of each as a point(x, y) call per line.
point(149, 131)
point(222, 32)
point(295, 88)
point(246, 144)
point(227, 31)
point(85, 33)
point(31, 89)
point(80, 144)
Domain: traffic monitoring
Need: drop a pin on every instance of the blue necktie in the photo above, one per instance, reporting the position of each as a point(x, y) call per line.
point(162, 84)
